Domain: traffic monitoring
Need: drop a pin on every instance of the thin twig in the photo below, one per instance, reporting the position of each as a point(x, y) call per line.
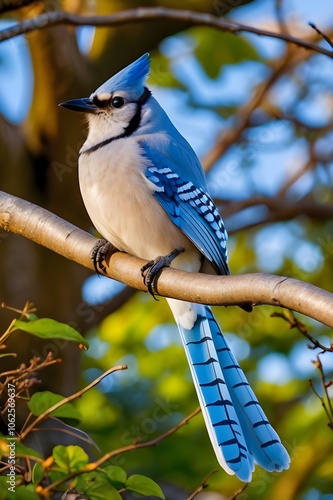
point(134, 446)
point(238, 492)
point(202, 486)
point(242, 117)
point(295, 176)
point(24, 377)
point(325, 37)
point(35, 365)
point(293, 322)
point(27, 310)
point(150, 14)
point(24, 456)
point(76, 395)
point(328, 408)
point(280, 17)
point(14, 5)
point(322, 401)
point(279, 208)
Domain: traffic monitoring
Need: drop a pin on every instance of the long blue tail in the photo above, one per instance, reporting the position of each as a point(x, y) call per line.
point(238, 428)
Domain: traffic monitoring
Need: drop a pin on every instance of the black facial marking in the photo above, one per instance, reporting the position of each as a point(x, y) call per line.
point(99, 103)
point(131, 127)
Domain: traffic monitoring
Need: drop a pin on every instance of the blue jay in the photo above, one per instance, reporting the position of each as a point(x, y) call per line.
point(145, 191)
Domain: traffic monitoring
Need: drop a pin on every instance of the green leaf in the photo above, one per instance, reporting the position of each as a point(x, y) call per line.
point(100, 490)
point(46, 328)
point(21, 449)
point(4, 492)
point(95, 485)
point(144, 485)
point(161, 73)
point(116, 475)
point(25, 493)
point(215, 49)
point(37, 473)
point(70, 458)
point(42, 401)
point(56, 475)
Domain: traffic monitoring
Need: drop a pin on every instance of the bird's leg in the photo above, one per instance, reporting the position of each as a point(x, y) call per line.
point(150, 270)
point(99, 252)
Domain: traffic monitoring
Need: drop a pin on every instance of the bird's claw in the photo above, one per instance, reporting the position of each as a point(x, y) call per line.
point(150, 270)
point(99, 252)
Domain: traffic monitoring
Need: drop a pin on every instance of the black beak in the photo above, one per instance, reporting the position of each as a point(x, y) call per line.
point(84, 105)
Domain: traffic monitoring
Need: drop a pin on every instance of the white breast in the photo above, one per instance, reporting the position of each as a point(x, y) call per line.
point(122, 206)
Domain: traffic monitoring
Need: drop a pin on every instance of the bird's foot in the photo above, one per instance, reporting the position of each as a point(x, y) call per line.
point(99, 252)
point(150, 270)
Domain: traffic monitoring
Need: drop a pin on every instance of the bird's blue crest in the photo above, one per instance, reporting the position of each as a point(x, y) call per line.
point(130, 79)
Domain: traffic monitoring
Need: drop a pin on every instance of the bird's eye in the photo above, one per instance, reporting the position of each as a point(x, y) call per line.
point(117, 102)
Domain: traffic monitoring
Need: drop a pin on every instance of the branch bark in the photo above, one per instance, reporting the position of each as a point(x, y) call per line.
point(278, 209)
point(43, 227)
point(243, 115)
point(8, 5)
point(151, 14)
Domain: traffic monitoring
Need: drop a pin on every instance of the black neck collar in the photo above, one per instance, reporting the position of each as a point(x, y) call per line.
point(145, 96)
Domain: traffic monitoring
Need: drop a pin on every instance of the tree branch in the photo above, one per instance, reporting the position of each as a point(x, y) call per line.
point(7, 5)
point(72, 397)
point(151, 14)
point(134, 446)
point(202, 486)
point(43, 227)
point(278, 209)
point(242, 117)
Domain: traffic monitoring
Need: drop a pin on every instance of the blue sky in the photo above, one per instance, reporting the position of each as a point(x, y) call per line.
point(16, 77)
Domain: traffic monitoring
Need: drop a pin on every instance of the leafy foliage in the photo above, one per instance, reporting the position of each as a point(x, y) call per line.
point(42, 401)
point(46, 328)
point(214, 50)
point(68, 466)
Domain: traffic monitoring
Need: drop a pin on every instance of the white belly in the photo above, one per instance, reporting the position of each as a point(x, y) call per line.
point(123, 208)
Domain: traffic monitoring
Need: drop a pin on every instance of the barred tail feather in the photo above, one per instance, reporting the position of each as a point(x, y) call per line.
point(236, 424)
point(262, 440)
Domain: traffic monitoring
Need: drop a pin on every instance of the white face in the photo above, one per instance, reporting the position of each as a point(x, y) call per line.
point(113, 115)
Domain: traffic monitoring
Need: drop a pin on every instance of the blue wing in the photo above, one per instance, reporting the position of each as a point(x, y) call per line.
point(189, 207)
